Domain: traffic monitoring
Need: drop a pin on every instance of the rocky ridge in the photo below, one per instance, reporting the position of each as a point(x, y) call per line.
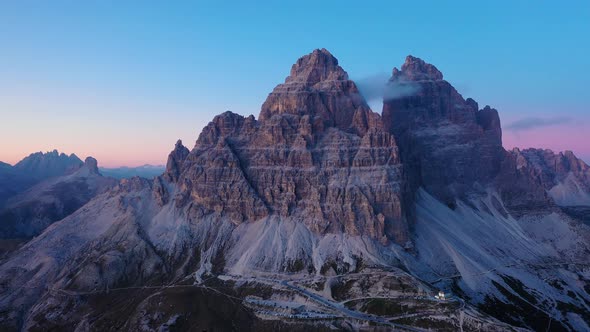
point(45, 165)
point(29, 213)
point(33, 169)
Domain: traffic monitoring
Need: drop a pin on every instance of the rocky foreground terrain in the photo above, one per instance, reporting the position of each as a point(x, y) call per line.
point(323, 214)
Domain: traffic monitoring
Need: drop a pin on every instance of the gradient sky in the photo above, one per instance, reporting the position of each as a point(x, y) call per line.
point(122, 81)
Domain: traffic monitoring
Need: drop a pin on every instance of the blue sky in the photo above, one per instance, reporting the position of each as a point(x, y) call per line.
point(123, 81)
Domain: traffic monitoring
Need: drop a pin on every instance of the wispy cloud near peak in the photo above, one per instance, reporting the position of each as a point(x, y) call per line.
point(377, 88)
point(537, 122)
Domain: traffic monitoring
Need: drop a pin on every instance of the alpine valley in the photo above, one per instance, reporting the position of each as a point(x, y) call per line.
point(320, 214)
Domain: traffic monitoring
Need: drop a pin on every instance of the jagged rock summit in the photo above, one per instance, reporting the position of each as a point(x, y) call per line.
point(175, 160)
point(319, 66)
point(44, 165)
point(33, 169)
point(319, 88)
point(416, 69)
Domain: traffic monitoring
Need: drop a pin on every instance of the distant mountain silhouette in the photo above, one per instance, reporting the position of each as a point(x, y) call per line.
point(124, 172)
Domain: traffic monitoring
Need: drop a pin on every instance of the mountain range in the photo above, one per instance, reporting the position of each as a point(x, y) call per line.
point(322, 214)
point(27, 214)
point(41, 189)
point(33, 169)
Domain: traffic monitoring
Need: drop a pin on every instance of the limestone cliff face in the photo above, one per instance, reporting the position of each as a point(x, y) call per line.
point(317, 154)
point(448, 145)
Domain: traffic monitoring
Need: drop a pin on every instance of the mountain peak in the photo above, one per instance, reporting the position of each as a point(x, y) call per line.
point(320, 65)
point(416, 69)
point(49, 164)
point(91, 164)
point(319, 88)
point(175, 160)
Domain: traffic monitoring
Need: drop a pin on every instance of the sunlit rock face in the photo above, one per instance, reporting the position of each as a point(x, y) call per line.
point(448, 145)
point(319, 88)
point(317, 154)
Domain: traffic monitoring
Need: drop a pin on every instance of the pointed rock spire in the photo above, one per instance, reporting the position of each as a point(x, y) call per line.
point(470, 138)
point(175, 160)
point(91, 164)
point(319, 65)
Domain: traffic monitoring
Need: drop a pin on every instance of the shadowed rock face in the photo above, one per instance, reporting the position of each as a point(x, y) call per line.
point(318, 154)
point(447, 144)
point(453, 149)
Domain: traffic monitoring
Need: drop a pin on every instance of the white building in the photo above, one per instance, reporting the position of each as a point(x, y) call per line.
point(440, 296)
